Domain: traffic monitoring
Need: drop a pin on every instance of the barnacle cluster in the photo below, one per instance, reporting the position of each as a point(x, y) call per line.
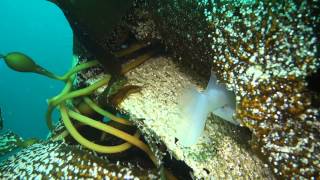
point(268, 49)
point(263, 52)
point(8, 142)
point(60, 160)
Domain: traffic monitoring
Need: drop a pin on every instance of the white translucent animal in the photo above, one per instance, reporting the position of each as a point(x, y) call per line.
point(196, 106)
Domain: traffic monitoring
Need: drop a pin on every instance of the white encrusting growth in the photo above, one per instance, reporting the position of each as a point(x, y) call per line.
point(195, 107)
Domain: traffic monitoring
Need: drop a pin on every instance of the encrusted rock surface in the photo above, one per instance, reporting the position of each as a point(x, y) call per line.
point(57, 160)
point(263, 51)
point(223, 150)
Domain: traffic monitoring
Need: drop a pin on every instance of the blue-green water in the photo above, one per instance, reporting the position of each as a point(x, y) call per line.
point(39, 29)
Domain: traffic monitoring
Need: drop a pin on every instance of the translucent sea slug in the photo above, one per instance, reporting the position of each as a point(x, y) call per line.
point(197, 105)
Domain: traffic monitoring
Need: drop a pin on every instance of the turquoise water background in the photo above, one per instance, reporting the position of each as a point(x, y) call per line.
point(39, 29)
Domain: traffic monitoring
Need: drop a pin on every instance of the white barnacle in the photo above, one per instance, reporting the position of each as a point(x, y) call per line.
point(69, 158)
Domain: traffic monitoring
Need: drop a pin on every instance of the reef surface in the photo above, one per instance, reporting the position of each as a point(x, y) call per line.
point(262, 51)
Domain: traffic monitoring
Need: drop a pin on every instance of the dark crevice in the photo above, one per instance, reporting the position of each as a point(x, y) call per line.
point(178, 168)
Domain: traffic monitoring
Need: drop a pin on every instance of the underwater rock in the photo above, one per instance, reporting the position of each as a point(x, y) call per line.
point(9, 141)
point(92, 23)
point(221, 152)
point(262, 51)
point(59, 160)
